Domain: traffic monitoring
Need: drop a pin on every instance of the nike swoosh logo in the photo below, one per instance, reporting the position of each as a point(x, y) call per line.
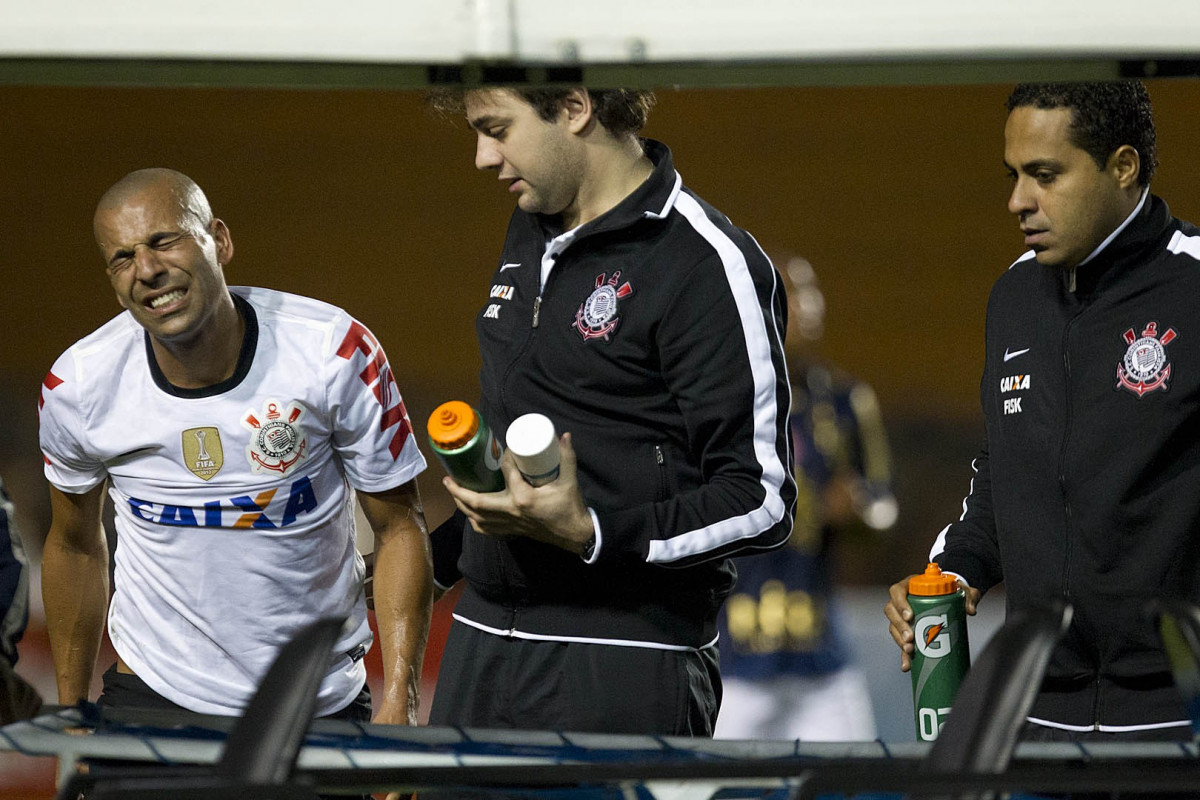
point(509, 265)
point(1009, 356)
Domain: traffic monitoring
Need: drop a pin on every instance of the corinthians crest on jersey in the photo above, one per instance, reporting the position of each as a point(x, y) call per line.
point(277, 442)
point(597, 316)
point(1145, 366)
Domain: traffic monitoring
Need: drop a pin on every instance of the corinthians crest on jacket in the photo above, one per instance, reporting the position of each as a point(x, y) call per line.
point(597, 316)
point(1145, 366)
point(277, 442)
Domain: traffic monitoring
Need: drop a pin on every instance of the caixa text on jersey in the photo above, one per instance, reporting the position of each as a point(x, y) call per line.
point(259, 511)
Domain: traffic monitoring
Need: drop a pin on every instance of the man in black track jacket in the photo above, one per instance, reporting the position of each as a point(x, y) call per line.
point(1088, 487)
point(649, 330)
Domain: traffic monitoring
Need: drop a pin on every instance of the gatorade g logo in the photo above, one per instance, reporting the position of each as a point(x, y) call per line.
point(491, 456)
point(932, 636)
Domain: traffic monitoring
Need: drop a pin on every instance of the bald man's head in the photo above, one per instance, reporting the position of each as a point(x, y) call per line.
point(165, 254)
point(157, 185)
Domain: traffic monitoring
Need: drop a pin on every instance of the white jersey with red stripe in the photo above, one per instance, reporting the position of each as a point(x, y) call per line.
point(234, 515)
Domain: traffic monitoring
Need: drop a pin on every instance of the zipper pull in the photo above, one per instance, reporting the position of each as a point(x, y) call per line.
point(658, 455)
point(537, 305)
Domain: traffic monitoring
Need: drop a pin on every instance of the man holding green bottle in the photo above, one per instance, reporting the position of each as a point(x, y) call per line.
point(1086, 488)
point(648, 329)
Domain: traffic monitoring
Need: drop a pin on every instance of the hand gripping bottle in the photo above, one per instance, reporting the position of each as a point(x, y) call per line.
point(465, 446)
point(941, 656)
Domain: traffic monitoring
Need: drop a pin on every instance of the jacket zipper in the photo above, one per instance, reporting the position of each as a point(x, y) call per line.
point(550, 256)
point(1062, 483)
point(661, 461)
point(512, 362)
point(1062, 459)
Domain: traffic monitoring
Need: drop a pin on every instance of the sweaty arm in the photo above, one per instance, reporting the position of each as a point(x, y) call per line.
point(403, 596)
point(75, 588)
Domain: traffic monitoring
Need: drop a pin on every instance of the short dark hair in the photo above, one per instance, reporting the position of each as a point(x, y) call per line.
point(622, 112)
point(1104, 116)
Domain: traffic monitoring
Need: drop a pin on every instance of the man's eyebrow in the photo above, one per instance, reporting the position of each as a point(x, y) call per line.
point(151, 240)
point(487, 120)
point(1040, 163)
point(119, 254)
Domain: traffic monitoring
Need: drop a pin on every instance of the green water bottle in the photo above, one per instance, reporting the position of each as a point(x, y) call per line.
point(464, 444)
point(941, 655)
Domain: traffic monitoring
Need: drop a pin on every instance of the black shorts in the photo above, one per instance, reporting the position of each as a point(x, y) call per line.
point(122, 690)
point(491, 681)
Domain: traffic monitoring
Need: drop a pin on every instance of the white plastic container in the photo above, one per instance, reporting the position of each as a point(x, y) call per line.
point(533, 442)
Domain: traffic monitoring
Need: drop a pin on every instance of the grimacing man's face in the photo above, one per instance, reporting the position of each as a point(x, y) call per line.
point(164, 266)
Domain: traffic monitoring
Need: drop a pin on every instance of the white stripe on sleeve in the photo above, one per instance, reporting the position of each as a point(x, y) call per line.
point(765, 412)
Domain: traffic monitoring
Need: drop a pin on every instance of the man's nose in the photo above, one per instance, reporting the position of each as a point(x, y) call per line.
point(1021, 200)
point(487, 155)
point(147, 263)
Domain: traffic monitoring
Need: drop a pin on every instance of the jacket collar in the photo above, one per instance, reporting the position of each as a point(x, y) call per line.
point(653, 199)
point(1141, 232)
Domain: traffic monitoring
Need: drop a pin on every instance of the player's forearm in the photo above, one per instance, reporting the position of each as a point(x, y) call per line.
point(75, 594)
point(403, 603)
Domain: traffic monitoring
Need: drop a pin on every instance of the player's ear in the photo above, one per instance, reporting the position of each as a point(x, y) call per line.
point(223, 241)
point(577, 109)
point(1126, 165)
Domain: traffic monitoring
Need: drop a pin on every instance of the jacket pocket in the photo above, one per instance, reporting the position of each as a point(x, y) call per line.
point(660, 463)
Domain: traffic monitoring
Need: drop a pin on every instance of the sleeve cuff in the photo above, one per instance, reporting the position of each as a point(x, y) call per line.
point(446, 543)
point(966, 583)
point(966, 568)
point(599, 538)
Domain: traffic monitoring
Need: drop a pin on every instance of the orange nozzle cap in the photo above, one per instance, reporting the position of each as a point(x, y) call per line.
point(452, 424)
point(933, 582)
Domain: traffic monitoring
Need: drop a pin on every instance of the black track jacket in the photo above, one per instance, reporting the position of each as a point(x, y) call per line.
point(657, 342)
point(1089, 485)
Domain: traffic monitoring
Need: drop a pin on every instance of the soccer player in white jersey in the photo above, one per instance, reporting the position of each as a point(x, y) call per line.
point(230, 427)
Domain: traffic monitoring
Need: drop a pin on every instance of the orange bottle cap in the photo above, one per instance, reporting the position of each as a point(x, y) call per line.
point(933, 582)
point(452, 424)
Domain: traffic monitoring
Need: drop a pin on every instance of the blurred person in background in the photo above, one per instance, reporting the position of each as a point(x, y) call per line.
point(18, 700)
point(785, 663)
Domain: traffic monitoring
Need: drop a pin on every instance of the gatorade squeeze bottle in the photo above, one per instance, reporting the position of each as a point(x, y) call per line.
point(940, 657)
point(464, 444)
